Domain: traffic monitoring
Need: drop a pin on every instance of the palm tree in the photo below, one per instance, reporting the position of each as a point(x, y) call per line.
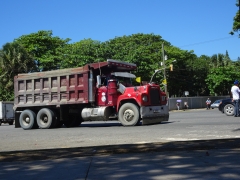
point(14, 59)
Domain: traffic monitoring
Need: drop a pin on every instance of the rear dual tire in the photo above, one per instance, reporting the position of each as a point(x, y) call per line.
point(27, 119)
point(46, 118)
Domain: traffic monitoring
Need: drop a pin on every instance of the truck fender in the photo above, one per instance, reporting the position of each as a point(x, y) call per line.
point(126, 100)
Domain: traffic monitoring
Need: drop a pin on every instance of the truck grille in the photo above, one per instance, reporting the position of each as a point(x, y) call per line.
point(154, 96)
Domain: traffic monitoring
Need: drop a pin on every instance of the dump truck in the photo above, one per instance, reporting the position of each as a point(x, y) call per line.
point(6, 112)
point(99, 91)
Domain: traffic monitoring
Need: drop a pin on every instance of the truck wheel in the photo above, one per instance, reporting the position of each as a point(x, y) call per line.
point(128, 114)
point(27, 119)
point(10, 123)
point(45, 118)
point(229, 110)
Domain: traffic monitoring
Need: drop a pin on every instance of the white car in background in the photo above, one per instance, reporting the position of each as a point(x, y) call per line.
point(215, 104)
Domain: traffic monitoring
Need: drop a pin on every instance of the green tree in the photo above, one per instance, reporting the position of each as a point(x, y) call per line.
point(237, 63)
point(198, 75)
point(199, 71)
point(81, 53)
point(236, 20)
point(14, 59)
point(187, 73)
point(145, 50)
point(220, 79)
point(46, 49)
point(141, 49)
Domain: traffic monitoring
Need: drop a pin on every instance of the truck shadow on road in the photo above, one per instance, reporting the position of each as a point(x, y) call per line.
point(112, 124)
point(103, 124)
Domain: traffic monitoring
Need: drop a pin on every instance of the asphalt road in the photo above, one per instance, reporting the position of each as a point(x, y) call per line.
point(196, 144)
point(182, 126)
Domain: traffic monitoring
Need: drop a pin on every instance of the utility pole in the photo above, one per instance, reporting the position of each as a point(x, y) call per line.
point(164, 69)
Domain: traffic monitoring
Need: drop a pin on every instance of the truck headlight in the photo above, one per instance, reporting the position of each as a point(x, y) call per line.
point(163, 98)
point(145, 98)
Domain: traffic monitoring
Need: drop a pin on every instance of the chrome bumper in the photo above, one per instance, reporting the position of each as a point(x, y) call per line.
point(154, 114)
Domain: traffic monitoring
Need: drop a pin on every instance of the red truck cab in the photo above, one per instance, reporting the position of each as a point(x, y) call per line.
point(121, 97)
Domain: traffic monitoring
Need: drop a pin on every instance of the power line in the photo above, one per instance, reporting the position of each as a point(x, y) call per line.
point(209, 41)
point(213, 40)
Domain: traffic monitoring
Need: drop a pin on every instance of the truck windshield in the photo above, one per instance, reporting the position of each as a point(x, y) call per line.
point(125, 78)
point(127, 82)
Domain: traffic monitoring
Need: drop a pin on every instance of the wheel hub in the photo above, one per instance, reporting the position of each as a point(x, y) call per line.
point(45, 119)
point(27, 120)
point(128, 115)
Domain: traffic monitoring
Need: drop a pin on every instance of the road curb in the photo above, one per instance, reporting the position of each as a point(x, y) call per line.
point(29, 155)
point(185, 110)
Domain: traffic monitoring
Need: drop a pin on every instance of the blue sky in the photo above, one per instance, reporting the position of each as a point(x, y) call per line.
point(199, 25)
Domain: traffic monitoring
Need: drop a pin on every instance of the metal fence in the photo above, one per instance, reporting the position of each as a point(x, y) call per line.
point(193, 102)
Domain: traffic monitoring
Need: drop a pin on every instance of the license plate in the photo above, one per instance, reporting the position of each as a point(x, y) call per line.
point(157, 111)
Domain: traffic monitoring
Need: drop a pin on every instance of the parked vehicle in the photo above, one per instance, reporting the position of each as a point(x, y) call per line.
point(94, 92)
point(6, 112)
point(226, 106)
point(216, 104)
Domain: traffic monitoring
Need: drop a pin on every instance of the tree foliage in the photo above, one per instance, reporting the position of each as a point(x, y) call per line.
point(81, 53)
point(141, 49)
point(46, 49)
point(220, 79)
point(41, 51)
point(236, 20)
point(14, 59)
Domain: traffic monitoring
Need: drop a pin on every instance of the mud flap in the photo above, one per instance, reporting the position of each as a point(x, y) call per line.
point(17, 124)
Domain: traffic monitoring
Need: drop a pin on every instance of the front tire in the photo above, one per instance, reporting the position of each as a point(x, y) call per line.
point(128, 114)
point(229, 110)
point(27, 119)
